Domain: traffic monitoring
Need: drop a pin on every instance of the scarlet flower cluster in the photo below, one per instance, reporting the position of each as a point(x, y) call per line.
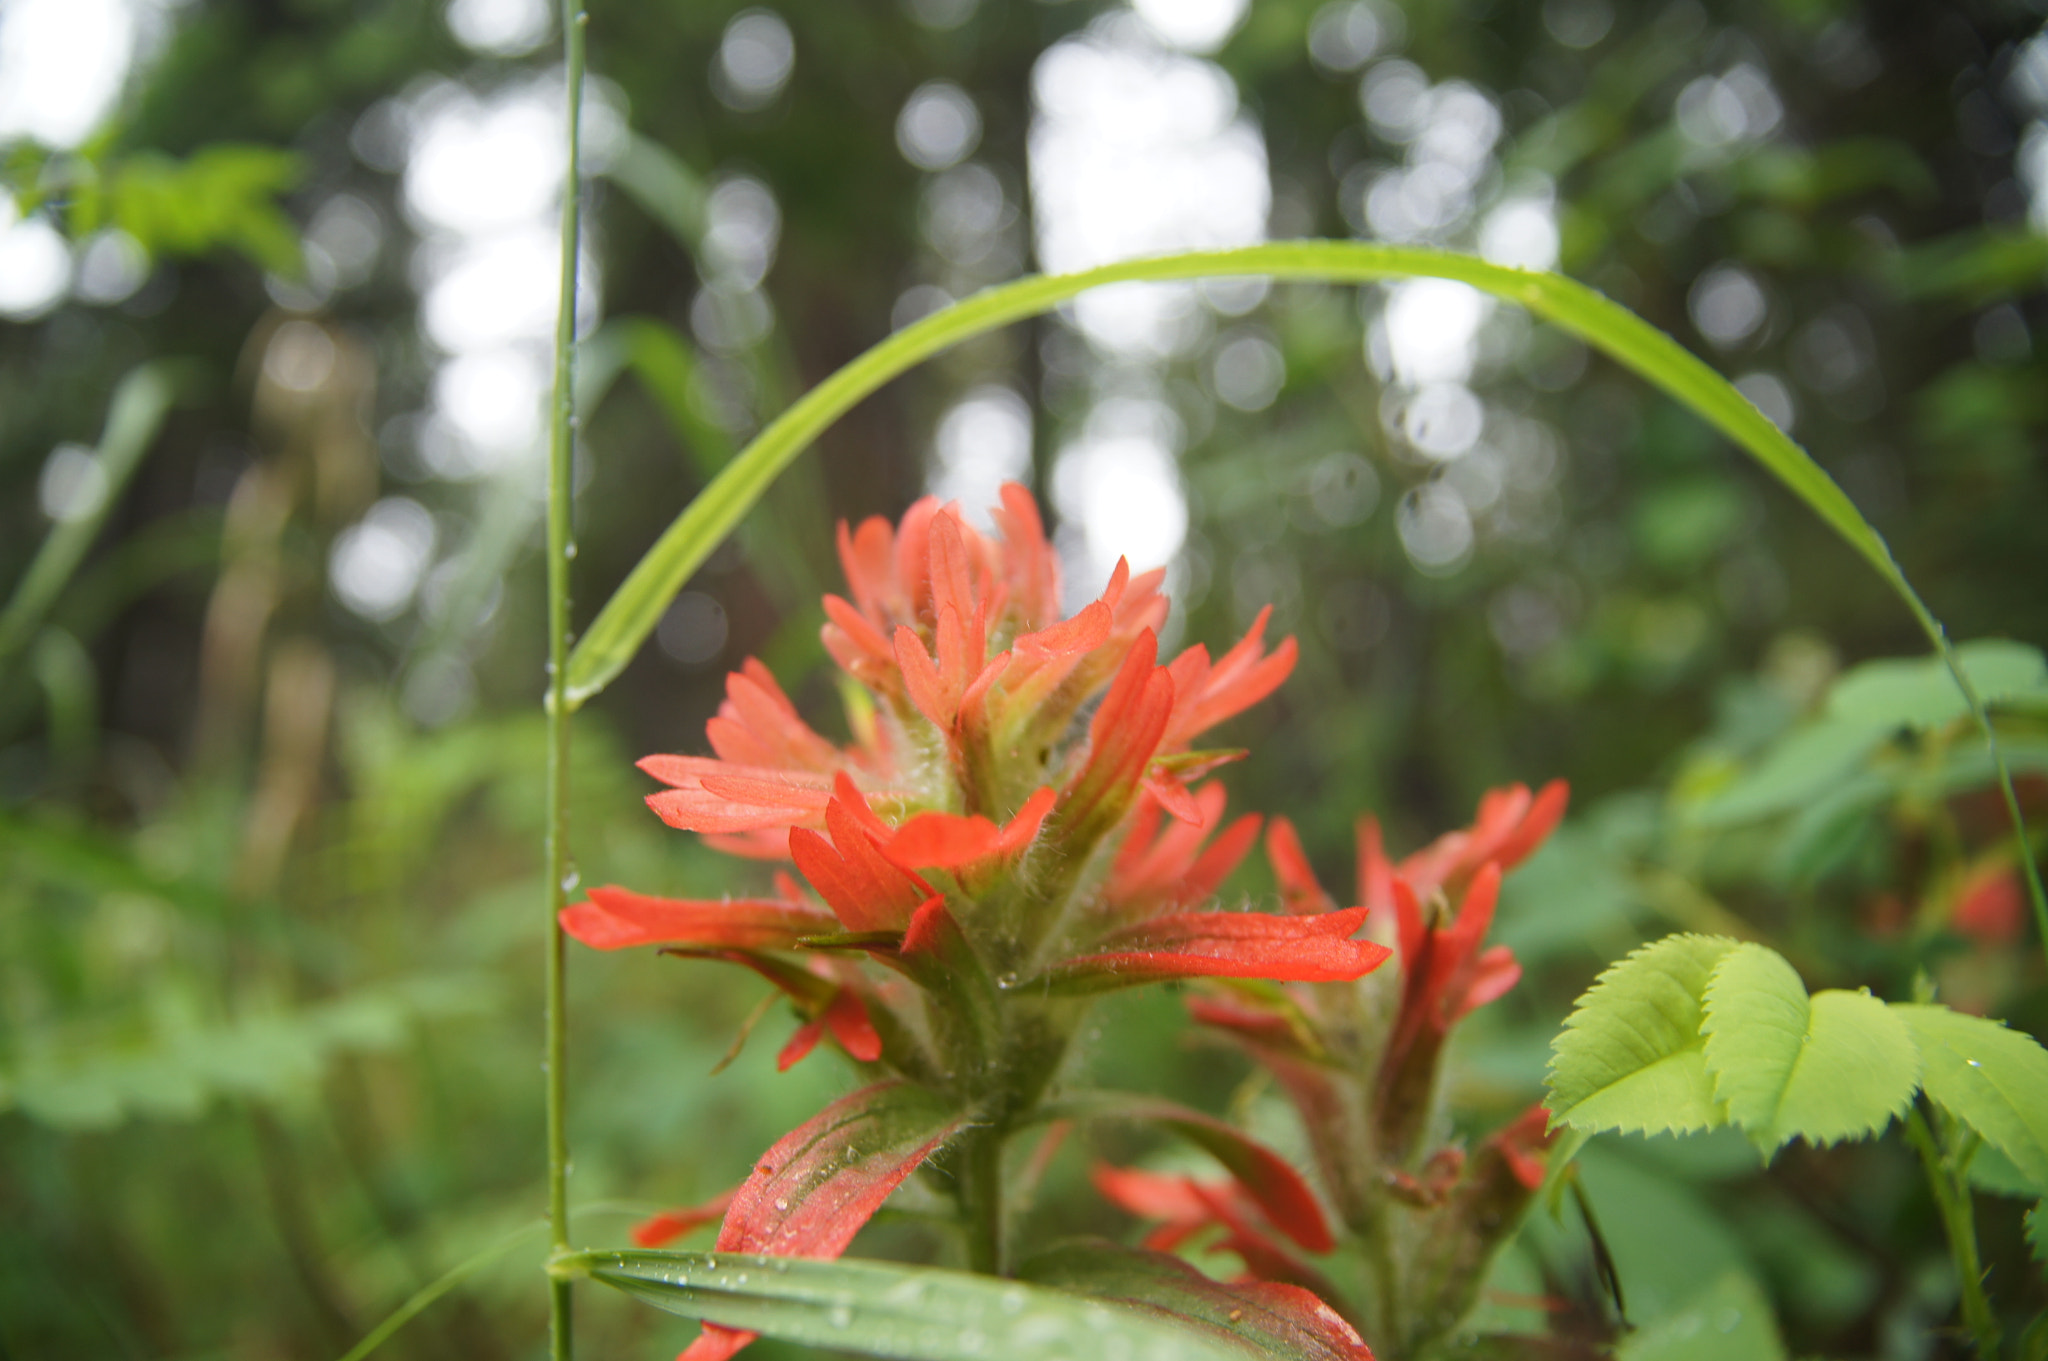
point(1362, 1063)
point(1018, 822)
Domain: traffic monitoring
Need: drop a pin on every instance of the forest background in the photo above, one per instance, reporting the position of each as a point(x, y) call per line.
point(278, 281)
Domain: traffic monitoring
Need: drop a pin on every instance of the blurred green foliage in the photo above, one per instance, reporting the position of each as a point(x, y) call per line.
point(270, 921)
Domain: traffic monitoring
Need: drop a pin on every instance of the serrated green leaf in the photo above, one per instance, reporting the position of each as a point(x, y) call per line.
point(1992, 1079)
point(1631, 1055)
point(880, 1309)
point(1920, 693)
point(1837, 1065)
point(1732, 1321)
point(1990, 1170)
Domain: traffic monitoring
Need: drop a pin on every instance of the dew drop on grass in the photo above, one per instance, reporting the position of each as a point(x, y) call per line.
point(1013, 1300)
point(840, 1317)
point(970, 1341)
point(1006, 981)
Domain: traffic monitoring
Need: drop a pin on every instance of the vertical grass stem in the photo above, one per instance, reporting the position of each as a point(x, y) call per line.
point(561, 456)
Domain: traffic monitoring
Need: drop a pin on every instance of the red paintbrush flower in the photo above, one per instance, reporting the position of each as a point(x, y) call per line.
point(977, 837)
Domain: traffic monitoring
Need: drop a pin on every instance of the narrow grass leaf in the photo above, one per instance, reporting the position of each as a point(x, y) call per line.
point(1992, 1079)
point(133, 418)
point(881, 1309)
point(1838, 1065)
point(1631, 1056)
point(631, 614)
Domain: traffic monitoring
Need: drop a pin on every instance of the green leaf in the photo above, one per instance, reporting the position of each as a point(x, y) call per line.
point(1992, 1079)
point(223, 195)
point(1919, 693)
point(1992, 1171)
point(1631, 1056)
point(880, 1309)
point(1838, 1065)
point(666, 189)
point(84, 1082)
point(1732, 1321)
point(1279, 1320)
point(1811, 762)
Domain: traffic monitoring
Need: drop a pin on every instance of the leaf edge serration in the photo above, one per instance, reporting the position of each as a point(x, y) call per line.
point(1663, 1117)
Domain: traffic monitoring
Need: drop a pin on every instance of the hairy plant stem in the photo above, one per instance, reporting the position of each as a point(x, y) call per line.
point(1952, 1197)
point(561, 454)
point(980, 1171)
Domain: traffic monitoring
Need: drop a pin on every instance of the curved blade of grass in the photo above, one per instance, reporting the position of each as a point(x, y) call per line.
point(427, 1294)
point(635, 608)
point(467, 1267)
point(133, 418)
point(882, 1309)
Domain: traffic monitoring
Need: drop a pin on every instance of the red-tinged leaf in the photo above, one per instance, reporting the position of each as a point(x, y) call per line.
point(1029, 563)
point(1493, 974)
point(941, 841)
point(715, 1343)
point(1224, 854)
point(742, 803)
point(1522, 1143)
point(1086, 631)
point(867, 640)
point(669, 1225)
point(1174, 798)
point(800, 1044)
point(937, 955)
point(848, 794)
point(1266, 1177)
point(867, 558)
point(811, 1193)
point(1299, 890)
point(1167, 1196)
point(864, 889)
point(616, 918)
point(948, 841)
point(826, 1007)
point(848, 1020)
point(922, 681)
point(1282, 1321)
point(1227, 945)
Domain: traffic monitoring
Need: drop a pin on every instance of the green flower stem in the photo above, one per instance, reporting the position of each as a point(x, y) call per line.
point(561, 453)
point(980, 1173)
point(1958, 1216)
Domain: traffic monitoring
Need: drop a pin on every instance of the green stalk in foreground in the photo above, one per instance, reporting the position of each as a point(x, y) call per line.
point(561, 451)
point(1951, 1190)
point(632, 612)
